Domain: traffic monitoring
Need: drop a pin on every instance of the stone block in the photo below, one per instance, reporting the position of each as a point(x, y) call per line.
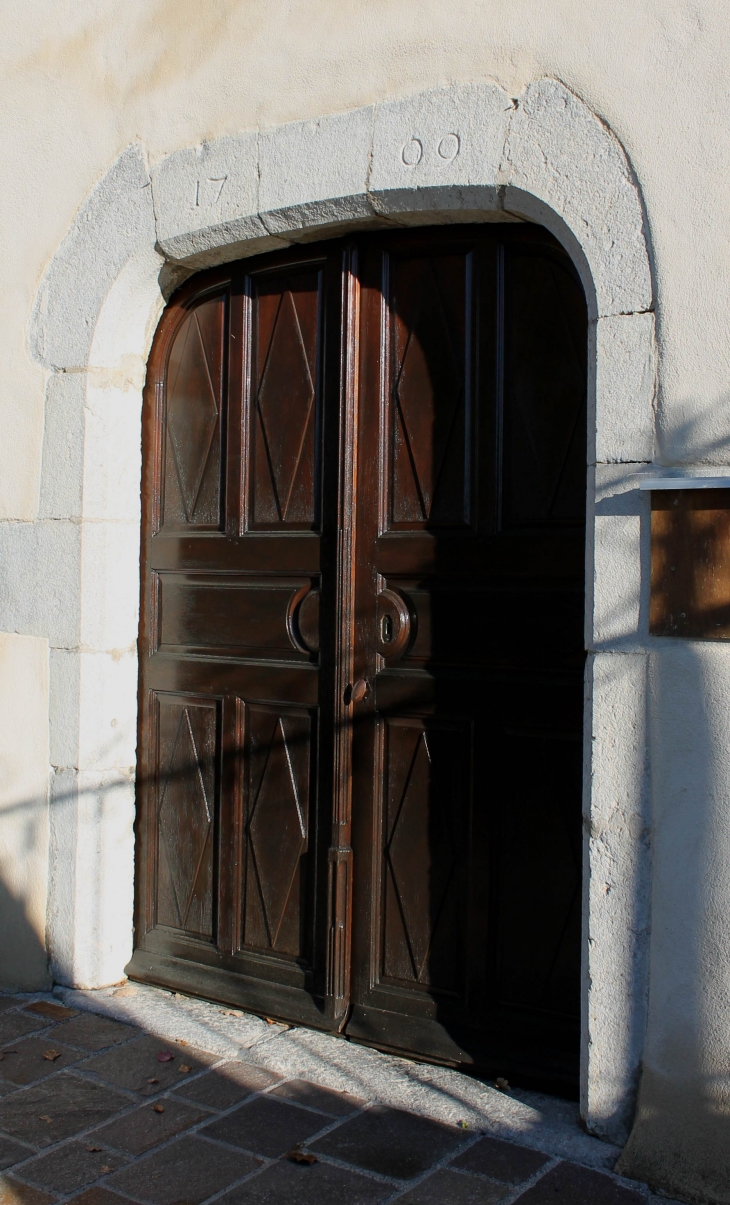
point(616, 890)
point(313, 173)
point(623, 373)
point(206, 199)
point(619, 548)
point(109, 588)
point(439, 152)
point(111, 483)
point(39, 584)
point(63, 447)
point(115, 221)
point(107, 713)
point(561, 154)
point(90, 909)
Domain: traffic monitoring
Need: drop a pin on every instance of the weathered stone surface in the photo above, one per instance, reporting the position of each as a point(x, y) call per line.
point(617, 885)
point(313, 173)
point(618, 530)
point(115, 221)
point(206, 198)
point(439, 151)
point(561, 154)
point(622, 369)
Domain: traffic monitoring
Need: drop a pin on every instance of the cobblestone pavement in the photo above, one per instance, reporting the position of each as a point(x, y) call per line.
point(99, 1112)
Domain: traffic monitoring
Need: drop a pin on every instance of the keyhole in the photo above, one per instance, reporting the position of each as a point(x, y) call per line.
point(386, 629)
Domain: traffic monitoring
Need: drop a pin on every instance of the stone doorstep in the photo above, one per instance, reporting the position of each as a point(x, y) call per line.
point(208, 1140)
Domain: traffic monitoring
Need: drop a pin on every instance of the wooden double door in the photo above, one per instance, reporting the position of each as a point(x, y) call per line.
point(361, 644)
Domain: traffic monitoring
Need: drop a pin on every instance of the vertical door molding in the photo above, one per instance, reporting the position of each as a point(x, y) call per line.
point(340, 852)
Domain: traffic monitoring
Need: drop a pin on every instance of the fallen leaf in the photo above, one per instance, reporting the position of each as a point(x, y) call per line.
point(159, 1108)
point(105, 1168)
point(501, 1083)
point(184, 1067)
point(153, 1081)
point(232, 1012)
point(270, 1021)
point(463, 1125)
point(297, 1155)
point(165, 1056)
point(51, 1055)
point(182, 1042)
point(46, 1008)
point(92, 1149)
point(43, 1117)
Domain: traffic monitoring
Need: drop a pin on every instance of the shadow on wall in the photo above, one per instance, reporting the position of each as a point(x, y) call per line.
point(680, 1141)
point(23, 958)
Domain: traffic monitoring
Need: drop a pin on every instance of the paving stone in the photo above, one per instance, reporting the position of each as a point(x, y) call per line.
point(53, 1012)
point(227, 1085)
point(183, 1173)
point(12, 1192)
point(25, 1062)
point(40, 1117)
point(7, 1002)
point(503, 1161)
point(448, 1187)
point(139, 1131)
point(391, 1142)
point(98, 1196)
point(16, 1025)
point(572, 1185)
point(12, 1152)
point(338, 1104)
point(266, 1126)
point(70, 1167)
point(132, 1066)
point(90, 1032)
point(299, 1184)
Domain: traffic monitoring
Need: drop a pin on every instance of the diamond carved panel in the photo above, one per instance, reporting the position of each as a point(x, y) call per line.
point(544, 422)
point(428, 420)
point(186, 793)
point(284, 467)
point(276, 829)
point(193, 417)
point(421, 854)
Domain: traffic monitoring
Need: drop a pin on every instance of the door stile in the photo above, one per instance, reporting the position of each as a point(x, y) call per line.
point(339, 921)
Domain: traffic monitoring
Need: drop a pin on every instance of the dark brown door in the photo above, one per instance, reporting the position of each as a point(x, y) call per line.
point(361, 670)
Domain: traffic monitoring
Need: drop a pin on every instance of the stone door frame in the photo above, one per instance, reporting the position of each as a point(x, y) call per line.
point(461, 154)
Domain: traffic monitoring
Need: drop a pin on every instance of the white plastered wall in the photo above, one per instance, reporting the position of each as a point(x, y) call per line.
point(465, 153)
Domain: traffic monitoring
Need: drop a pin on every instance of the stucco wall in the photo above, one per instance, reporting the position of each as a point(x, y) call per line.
point(23, 812)
point(82, 82)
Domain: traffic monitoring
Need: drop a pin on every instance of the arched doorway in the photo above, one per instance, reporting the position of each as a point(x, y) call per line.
point(361, 644)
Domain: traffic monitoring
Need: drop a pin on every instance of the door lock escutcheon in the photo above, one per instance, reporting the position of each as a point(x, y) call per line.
point(358, 691)
point(394, 624)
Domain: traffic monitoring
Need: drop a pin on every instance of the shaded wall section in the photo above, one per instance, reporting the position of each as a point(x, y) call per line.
point(23, 811)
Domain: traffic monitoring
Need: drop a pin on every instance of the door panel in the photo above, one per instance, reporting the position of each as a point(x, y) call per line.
point(193, 422)
point(361, 647)
point(278, 775)
point(426, 793)
point(188, 732)
point(466, 796)
point(245, 364)
point(286, 395)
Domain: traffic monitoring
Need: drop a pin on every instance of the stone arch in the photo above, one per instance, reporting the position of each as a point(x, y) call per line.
point(463, 153)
